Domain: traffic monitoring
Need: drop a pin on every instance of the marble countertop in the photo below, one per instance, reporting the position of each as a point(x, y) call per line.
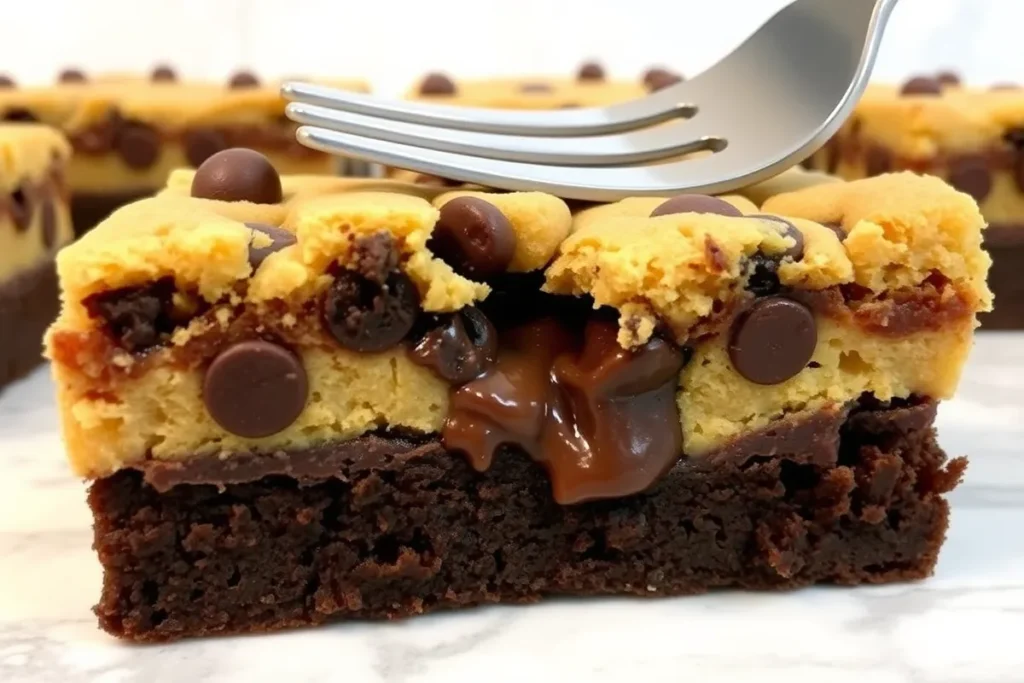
point(965, 625)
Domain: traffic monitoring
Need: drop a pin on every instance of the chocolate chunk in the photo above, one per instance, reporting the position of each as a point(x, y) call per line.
point(48, 217)
point(72, 76)
point(772, 340)
point(922, 85)
point(787, 229)
point(255, 388)
point(138, 144)
point(6, 82)
point(948, 78)
point(459, 347)
point(535, 87)
point(437, 84)
point(99, 137)
point(365, 316)
point(877, 160)
point(19, 115)
point(203, 143)
point(696, 203)
point(658, 79)
point(243, 79)
point(138, 318)
point(238, 175)
point(164, 74)
point(280, 238)
point(591, 71)
point(374, 257)
point(970, 173)
point(764, 276)
point(22, 206)
point(474, 237)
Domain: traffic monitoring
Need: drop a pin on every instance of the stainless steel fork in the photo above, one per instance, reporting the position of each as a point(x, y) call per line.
point(766, 106)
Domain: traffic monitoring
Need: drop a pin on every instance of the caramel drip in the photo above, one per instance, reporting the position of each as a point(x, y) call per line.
point(603, 421)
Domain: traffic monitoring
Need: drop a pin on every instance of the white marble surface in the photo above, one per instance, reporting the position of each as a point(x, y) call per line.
point(965, 625)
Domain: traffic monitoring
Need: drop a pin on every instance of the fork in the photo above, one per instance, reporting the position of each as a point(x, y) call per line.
point(766, 106)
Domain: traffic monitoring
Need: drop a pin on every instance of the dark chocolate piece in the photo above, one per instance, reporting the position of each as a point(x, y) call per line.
point(19, 115)
point(948, 78)
point(459, 346)
point(238, 175)
point(474, 237)
point(922, 85)
point(280, 238)
point(437, 84)
point(772, 340)
point(696, 203)
point(7, 82)
point(970, 173)
point(363, 315)
point(201, 144)
point(138, 144)
point(137, 318)
point(164, 74)
point(255, 388)
point(243, 79)
point(72, 76)
point(658, 79)
point(591, 71)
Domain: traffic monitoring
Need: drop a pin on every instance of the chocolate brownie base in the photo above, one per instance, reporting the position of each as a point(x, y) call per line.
point(29, 302)
point(88, 210)
point(1005, 243)
point(403, 527)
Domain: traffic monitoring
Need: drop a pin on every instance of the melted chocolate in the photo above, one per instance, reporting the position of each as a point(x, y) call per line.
point(603, 421)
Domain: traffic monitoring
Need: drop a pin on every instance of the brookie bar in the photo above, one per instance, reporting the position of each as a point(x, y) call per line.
point(308, 399)
point(129, 133)
point(34, 223)
point(971, 137)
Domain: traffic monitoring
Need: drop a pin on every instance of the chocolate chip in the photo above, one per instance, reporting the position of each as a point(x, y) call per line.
point(773, 340)
point(877, 160)
point(787, 229)
point(138, 318)
point(535, 87)
point(948, 78)
point(458, 347)
point(6, 82)
point(279, 239)
point(203, 143)
point(164, 74)
point(238, 175)
point(591, 71)
point(695, 203)
point(437, 84)
point(22, 205)
point(658, 79)
point(99, 137)
point(255, 388)
point(19, 115)
point(138, 144)
point(474, 237)
point(243, 79)
point(922, 85)
point(48, 218)
point(970, 173)
point(365, 316)
point(764, 276)
point(71, 76)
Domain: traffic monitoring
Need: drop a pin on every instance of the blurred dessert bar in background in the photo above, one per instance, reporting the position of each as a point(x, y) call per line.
point(34, 223)
point(971, 137)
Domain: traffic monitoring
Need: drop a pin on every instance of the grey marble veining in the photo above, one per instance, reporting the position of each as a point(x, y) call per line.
point(961, 626)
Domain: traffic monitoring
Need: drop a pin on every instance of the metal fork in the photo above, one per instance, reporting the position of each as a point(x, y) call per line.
point(770, 103)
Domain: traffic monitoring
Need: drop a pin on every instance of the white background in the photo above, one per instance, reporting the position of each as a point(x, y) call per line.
point(390, 42)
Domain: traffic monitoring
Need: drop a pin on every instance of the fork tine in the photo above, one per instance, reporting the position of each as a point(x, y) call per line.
point(624, 148)
point(667, 104)
point(717, 172)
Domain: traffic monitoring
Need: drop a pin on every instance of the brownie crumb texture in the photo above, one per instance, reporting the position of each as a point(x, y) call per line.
point(402, 527)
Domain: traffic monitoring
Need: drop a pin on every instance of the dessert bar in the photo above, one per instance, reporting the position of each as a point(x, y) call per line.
point(971, 137)
point(34, 223)
point(128, 132)
point(304, 399)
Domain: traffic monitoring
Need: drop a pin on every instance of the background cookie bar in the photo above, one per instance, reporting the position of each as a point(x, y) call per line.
point(971, 137)
point(34, 223)
point(128, 132)
point(301, 399)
